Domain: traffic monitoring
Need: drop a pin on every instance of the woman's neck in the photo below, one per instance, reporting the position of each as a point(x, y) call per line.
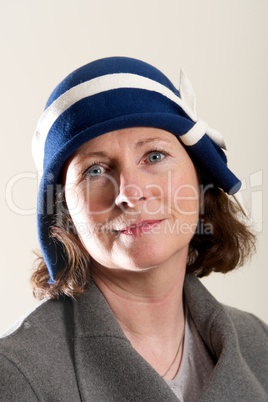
point(149, 308)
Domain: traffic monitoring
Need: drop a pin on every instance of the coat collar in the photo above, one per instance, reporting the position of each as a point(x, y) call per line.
point(231, 379)
point(109, 369)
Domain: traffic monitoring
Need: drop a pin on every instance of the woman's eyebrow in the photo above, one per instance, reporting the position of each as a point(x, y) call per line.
point(96, 154)
point(150, 140)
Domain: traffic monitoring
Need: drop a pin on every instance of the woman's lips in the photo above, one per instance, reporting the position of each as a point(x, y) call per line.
point(140, 228)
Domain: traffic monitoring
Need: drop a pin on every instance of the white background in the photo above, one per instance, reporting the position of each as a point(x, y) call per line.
point(221, 44)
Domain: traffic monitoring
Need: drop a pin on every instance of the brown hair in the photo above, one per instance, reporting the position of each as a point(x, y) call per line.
point(222, 242)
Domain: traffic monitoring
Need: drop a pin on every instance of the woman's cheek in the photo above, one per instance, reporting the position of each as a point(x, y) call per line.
point(99, 195)
point(186, 200)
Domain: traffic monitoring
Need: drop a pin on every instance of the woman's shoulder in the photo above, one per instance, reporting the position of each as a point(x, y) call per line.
point(42, 325)
point(18, 325)
point(34, 353)
point(247, 323)
point(251, 337)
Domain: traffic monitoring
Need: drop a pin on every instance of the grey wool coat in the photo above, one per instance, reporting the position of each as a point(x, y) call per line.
point(75, 351)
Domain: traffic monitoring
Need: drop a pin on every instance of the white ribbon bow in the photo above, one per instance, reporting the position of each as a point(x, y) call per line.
point(200, 128)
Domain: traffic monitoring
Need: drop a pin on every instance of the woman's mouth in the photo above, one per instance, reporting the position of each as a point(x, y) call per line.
point(141, 227)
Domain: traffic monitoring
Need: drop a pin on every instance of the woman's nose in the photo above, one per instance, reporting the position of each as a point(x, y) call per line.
point(131, 190)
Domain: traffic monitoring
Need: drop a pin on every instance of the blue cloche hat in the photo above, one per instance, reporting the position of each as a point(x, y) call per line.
point(111, 94)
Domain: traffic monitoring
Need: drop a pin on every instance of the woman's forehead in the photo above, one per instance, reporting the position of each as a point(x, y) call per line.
point(135, 137)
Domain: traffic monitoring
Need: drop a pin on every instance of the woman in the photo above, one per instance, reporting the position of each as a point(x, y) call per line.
point(132, 209)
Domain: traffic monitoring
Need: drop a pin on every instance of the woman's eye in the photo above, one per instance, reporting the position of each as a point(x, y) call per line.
point(95, 171)
point(155, 156)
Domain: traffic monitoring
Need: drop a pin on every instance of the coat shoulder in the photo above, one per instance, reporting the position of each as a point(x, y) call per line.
point(42, 319)
point(247, 323)
point(33, 354)
point(252, 340)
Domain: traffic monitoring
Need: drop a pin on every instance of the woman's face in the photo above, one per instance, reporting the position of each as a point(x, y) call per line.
point(133, 197)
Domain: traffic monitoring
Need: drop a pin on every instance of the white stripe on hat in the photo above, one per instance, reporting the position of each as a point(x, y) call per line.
point(195, 133)
point(102, 84)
